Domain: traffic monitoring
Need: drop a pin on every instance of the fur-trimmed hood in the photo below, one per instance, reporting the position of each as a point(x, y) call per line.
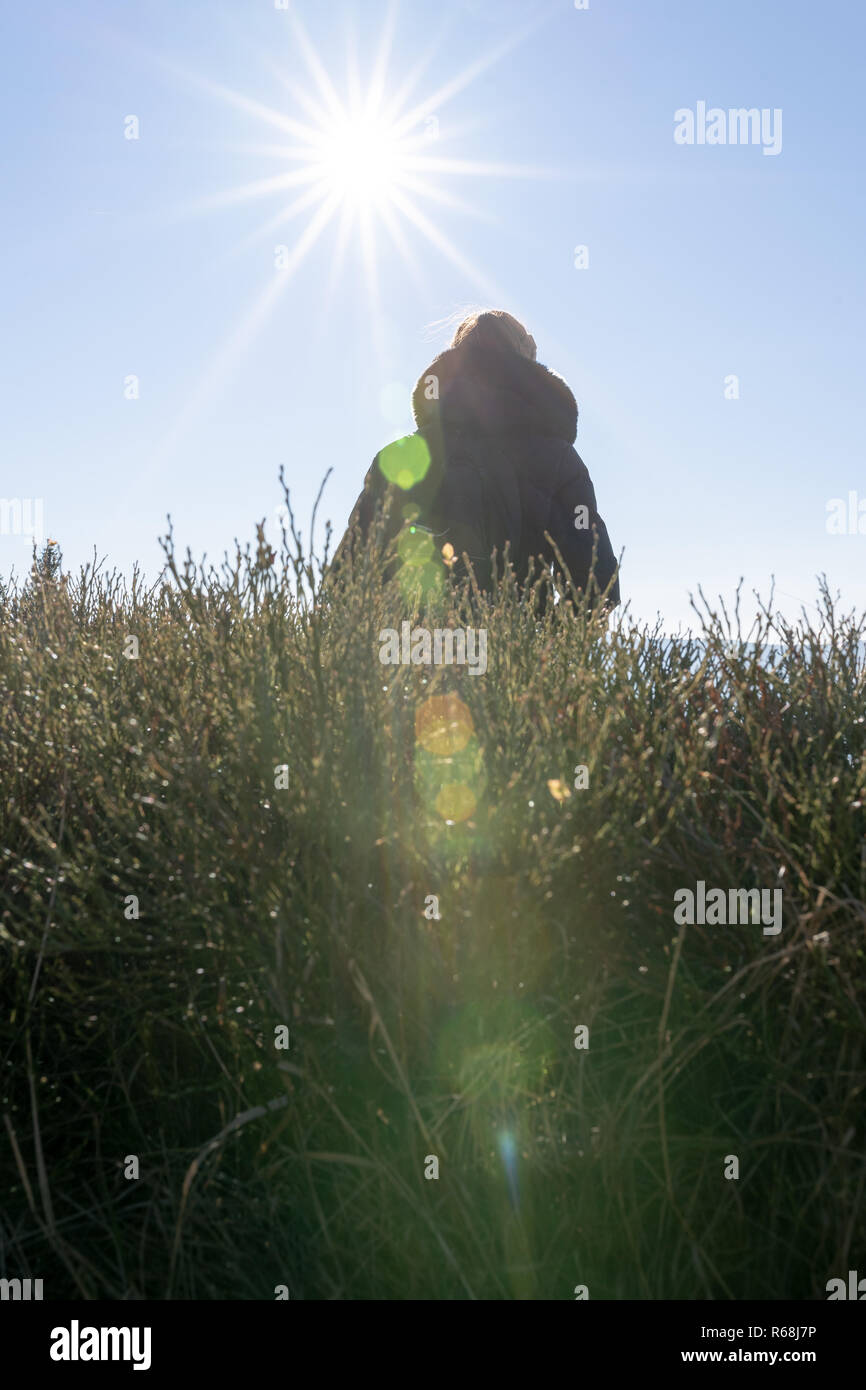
point(491, 393)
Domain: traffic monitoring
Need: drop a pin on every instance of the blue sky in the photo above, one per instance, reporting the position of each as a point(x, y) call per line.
point(705, 261)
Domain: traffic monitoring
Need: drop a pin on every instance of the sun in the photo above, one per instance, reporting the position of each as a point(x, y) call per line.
point(366, 154)
point(362, 156)
point(361, 159)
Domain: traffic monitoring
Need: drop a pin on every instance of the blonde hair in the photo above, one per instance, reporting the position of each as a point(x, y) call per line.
point(494, 328)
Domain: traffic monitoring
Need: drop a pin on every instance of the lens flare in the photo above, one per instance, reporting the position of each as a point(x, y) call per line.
point(455, 802)
point(443, 725)
point(449, 765)
point(405, 462)
point(508, 1154)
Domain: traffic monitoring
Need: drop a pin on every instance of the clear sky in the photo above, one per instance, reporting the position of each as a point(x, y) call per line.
point(553, 128)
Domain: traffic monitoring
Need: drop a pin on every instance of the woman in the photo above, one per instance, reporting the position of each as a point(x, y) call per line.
point(491, 464)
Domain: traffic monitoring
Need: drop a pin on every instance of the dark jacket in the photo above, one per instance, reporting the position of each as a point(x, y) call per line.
point(495, 436)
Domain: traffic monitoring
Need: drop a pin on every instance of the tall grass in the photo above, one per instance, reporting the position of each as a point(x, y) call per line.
point(735, 755)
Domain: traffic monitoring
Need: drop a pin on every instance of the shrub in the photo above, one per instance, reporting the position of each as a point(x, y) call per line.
point(730, 756)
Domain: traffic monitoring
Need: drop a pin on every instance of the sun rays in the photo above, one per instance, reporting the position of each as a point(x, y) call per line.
point(362, 160)
point(369, 156)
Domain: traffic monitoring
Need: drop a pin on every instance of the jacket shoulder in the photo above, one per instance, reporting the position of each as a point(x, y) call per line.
point(570, 468)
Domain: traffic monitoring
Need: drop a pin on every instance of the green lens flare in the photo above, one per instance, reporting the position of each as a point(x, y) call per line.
point(415, 547)
point(405, 462)
point(420, 584)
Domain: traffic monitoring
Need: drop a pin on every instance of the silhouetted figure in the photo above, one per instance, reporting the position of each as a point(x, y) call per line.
point(492, 462)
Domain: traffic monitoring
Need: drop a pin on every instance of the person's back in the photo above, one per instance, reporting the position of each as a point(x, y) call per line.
point(492, 463)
